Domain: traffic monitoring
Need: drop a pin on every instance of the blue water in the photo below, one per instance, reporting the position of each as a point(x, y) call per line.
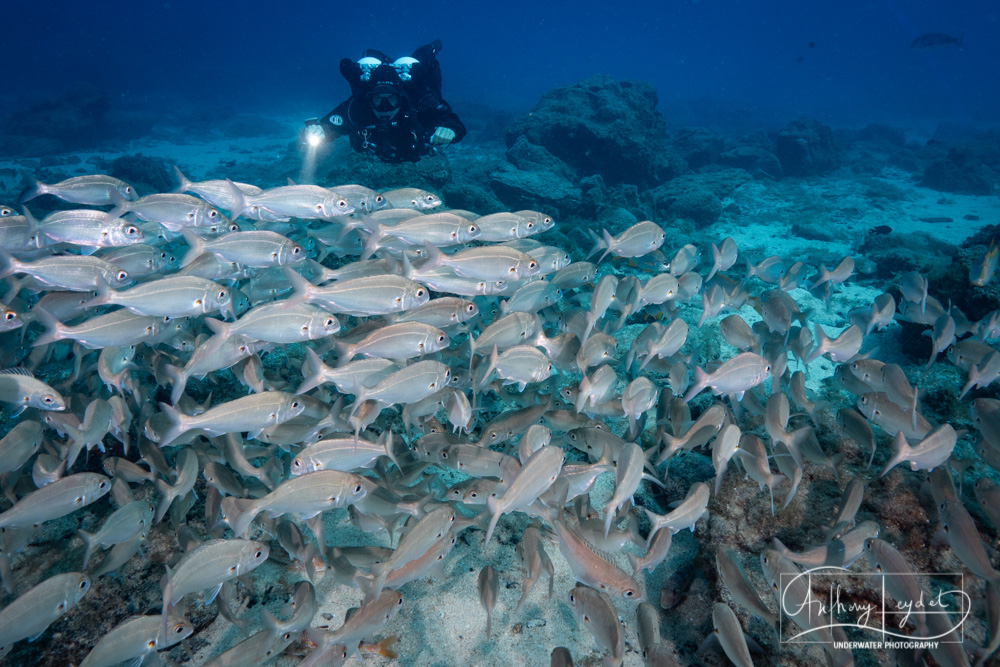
point(745, 57)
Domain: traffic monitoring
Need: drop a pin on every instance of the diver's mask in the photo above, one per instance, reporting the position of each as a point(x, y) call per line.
point(385, 104)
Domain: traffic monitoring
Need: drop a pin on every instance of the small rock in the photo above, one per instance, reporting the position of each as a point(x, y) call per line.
point(535, 623)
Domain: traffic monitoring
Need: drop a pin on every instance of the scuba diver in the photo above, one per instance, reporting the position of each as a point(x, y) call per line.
point(395, 110)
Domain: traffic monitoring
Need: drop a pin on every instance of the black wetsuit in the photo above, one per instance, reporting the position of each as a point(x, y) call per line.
point(405, 138)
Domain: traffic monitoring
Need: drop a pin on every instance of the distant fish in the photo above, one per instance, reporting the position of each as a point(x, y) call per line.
point(984, 267)
point(936, 40)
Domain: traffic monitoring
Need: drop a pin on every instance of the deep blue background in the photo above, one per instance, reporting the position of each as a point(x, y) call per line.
point(734, 57)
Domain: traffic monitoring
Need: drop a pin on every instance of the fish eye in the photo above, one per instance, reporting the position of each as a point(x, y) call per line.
point(470, 308)
point(259, 553)
point(222, 294)
point(473, 229)
point(83, 585)
point(131, 230)
point(295, 404)
point(296, 250)
point(9, 315)
point(329, 322)
point(420, 292)
point(357, 488)
point(102, 485)
point(441, 338)
point(128, 189)
point(48, 400)
point(122, 275)
point(630, 593)
point(213, 214)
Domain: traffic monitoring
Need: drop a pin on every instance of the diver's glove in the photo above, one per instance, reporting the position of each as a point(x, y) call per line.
point(442, 136)
point(314, 135)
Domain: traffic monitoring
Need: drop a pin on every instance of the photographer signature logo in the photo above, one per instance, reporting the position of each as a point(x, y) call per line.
point(858, 602)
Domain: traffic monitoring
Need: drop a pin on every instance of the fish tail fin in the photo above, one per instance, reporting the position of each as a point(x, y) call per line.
point(492, 504)
point(239, 200)
point(88, 540)
point(8, 265)
point(609, 516)
point(435, 257)
point(900, 451)
point(598, 243)
point(196, 246)
point(178, 381)
point(301, 288)
point(167, 495)
point(383, 647)
point(54, 329)
point(183, 183)
point(655, 524)
point(119, 204)
point(778, 546)
point(239, 513)
point(494, 358)
point(608, 242)
point(270, 624)
point(635, 562)
point(700, 382)
point(824, 276)
point(969, 384)
point(372, 242)
point(312, 372)
point(177, 426)
point(380, 571)
point(32, 188)
point(822, 344)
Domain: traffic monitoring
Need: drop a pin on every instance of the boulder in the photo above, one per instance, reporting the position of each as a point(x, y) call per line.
point(959, 172)
point(602, 126)
point(537, 190)
point(807, 147)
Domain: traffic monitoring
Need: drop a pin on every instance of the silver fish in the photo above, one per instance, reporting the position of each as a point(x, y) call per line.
point(176, 296)
point(309, 202)
point(208, 567)
point(640, 239)
point(594, 610)
point(841, 552)
point(91, 229)
point(123, 524)
point(371, 295)
point(965, 541)
point(733, 378)
point(35, 610)
point(428, 531)
point(306, 495)
point(535, 477)
point(685, 515)
point(89, 190)
point(731, 571)
point(250, 413)
point(485, 262)
point(404, 340)
point(723, 256)
point(55, 500)
point(256, 248)
point(77, 273)
point(730, 634)
point(489, 591)
point(171, 210)
point(135, 639)
point(933, 450)
point(412, 198)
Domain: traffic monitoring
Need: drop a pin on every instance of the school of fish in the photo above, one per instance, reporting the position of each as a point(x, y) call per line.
point(283, 353)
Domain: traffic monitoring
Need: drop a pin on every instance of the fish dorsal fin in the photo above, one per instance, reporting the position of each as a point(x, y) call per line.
point(20, 370)
point(600, 553)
